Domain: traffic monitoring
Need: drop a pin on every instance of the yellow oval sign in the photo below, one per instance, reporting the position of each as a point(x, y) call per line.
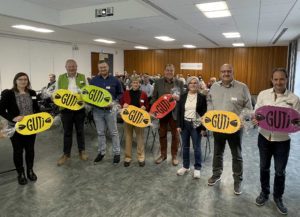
point(136, 116)
point(35, 123)
point(96, 96)
point(221, 121)
point(67, 99)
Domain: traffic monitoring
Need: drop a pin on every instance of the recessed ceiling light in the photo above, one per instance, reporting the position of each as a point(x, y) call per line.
point(32, 28)
point(232, 34)
point(104, 41)
point(189, 46)
point(212, 6)
point(238, 45)
point(217, 14)
point(141, 47)
point(214, 9)
point(165, 38)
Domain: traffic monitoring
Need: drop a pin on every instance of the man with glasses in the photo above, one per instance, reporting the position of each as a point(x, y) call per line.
point(228, 95)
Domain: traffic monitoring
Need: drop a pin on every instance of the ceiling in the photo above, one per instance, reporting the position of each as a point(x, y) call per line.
point(137, 22)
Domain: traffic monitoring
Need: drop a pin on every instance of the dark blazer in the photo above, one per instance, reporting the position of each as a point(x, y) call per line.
point(201, 108)
point(8, 104)
point(159, 90)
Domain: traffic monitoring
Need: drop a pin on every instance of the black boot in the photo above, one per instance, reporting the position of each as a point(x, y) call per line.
point(21, 177)
point(31, 175)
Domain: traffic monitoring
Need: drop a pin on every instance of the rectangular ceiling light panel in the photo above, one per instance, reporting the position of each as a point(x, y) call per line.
point(32, 28)
point(165, 38)
point(214, 9)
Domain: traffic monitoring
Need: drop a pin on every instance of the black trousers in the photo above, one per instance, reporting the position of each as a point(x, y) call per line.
point(70, 118)
point(280, 151)
point(20, 143)
point(235, 144)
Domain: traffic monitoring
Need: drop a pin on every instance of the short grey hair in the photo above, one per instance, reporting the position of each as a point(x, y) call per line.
point(189, 79)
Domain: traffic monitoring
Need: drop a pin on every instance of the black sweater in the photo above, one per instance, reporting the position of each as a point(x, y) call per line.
point(201, 108)
point(8, 104)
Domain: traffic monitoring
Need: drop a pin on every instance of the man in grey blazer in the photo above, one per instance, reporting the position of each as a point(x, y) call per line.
point(165, 85)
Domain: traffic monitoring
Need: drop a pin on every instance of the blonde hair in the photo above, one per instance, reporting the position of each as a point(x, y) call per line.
point(135, 78)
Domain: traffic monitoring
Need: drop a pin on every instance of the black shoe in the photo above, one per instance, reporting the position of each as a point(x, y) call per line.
point(237, 188)
point(22, 179)
point(31, 175)
point(126, 164)
point(116, 159)
point(213, 180)
point(99, 158)
point(141, 163)
point(261, 199)
point(280, 206)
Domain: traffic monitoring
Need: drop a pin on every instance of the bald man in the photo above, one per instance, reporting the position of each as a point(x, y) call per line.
point(234, 96)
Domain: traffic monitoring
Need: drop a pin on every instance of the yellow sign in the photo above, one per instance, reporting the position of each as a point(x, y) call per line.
point(35, 123)
point(136, 116)
point(96, 96)
point(67, 99)
point(221, 121)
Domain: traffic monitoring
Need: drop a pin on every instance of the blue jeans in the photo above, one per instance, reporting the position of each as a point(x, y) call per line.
point(187, 132)
point(106, 119)
point(280, 151)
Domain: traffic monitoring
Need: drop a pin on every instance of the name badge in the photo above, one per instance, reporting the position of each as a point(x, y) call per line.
point(108, 87)
point(33, 97)
point(142, 100)
point(233, 99)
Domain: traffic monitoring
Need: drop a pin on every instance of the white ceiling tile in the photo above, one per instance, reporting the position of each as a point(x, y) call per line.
point(256, 29)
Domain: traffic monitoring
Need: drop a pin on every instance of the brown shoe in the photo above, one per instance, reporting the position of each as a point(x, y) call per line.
point(62, 160)
point(160, 159)
point(83, 155)
point(175, 162)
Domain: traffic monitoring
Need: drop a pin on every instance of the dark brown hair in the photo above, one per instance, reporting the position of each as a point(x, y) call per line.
point(103, 61)
point(17, 76)
point(280, 69)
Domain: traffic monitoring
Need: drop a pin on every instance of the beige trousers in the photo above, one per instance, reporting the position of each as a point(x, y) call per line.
point(139, 132)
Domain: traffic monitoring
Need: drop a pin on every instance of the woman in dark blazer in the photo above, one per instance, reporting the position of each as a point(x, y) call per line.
point(15, 103)
point(191, 104)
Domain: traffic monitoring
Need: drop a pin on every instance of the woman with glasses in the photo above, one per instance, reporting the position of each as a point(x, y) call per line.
point(15, 103)
point(191, 106)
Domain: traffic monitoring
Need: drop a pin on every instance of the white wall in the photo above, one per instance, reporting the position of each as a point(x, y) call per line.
point(39, 58)
point(83, 57)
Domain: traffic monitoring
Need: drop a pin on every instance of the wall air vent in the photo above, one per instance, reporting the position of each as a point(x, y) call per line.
point(279, 36)
point(148, 2)
point(208, 39)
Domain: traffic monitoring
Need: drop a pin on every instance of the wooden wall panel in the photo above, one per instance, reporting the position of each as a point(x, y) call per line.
point(252, 66)
point(94, 63)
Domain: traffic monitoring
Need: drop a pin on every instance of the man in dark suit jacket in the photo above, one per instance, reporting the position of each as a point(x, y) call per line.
point(163, 86)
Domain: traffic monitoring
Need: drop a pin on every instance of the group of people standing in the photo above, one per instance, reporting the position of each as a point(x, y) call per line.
point(226, 94)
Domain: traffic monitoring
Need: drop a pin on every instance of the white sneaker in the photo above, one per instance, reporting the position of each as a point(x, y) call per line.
point(196, 174)
point(182, 171)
